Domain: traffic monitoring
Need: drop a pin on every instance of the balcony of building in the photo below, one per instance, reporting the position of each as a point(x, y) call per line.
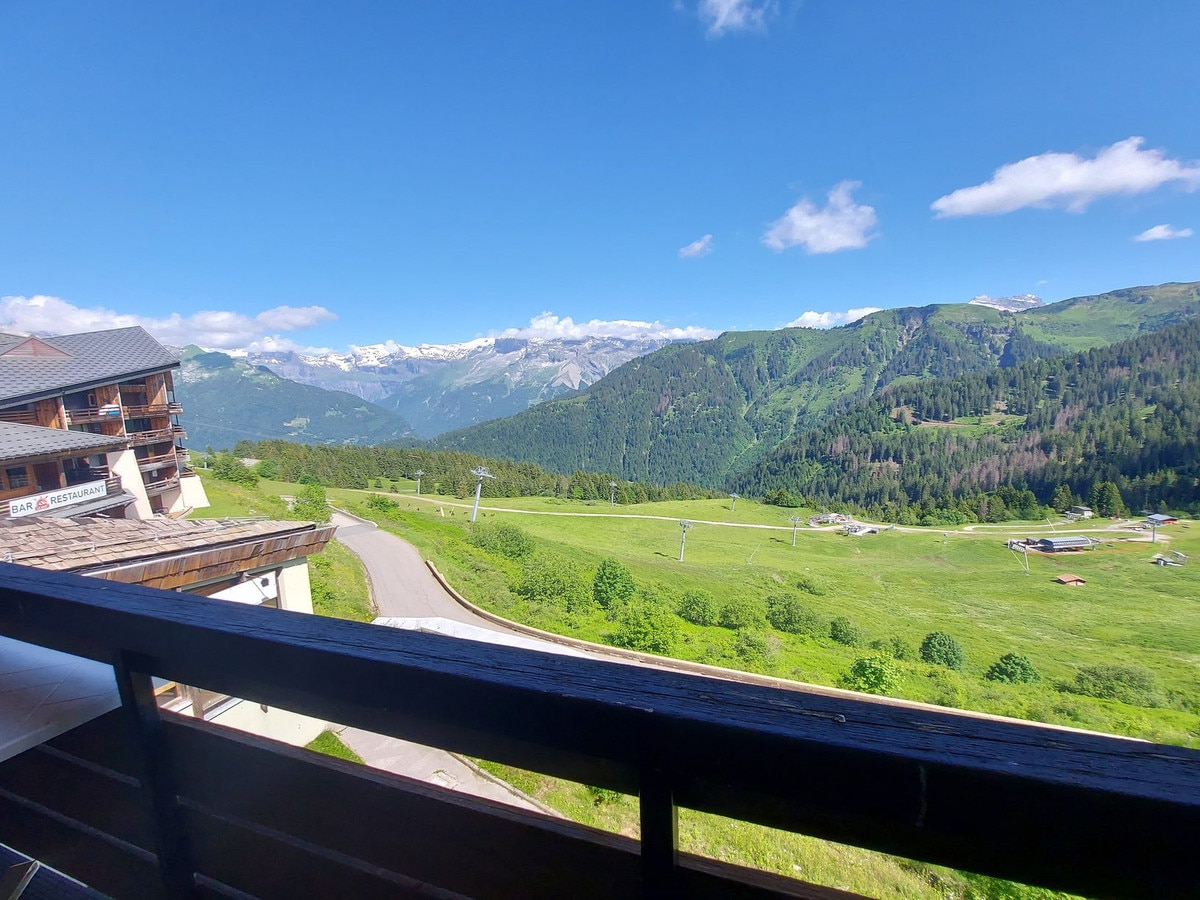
point(153, 436)
point(80, 496)
point(22, 416)
point(143, 803)
point(158, 460)
point(161, 485)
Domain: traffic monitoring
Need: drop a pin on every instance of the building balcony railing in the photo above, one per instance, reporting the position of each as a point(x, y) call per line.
point(147, 463)
point(154, 488)
point(108, 413)
point(155, 436)
point(145, 794)
point(160, 409)
point(18, 416)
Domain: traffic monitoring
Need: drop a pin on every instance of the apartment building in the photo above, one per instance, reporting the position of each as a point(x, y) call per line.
point(89, 425)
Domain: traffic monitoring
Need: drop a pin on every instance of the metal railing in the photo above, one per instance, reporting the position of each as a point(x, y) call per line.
point(1069, 810)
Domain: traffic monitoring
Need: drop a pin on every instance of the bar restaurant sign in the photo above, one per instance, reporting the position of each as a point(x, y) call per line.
point(40, 503)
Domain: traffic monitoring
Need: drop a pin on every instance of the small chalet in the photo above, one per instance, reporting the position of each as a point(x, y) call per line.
point(1080, 512)
point(1160, 519)
point(1072, 580)
point(1064, 543)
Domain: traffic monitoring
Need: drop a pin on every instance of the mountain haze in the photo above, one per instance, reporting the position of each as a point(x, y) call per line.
point(439, 388)
point(226, 400)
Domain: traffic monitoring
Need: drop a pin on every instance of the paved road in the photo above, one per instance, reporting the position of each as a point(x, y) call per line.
point(401, 583)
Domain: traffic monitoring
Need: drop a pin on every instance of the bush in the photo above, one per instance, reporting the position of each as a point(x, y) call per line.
point(698, 608)
point(381, 503)
point(742, 612)
point(811, 585)
point(1013, 668)
point(786, 613)
point(554, 581)
point(645, 627)
point(228, 467)
point(895, 647)
point(502, 539)
point(845, 632)
point(1111, 682)
point(871, 675)
point(268, 469)
point(306, 478)
point(613, 584)
point(940, 649)
point(754, 646)
point(311, 504)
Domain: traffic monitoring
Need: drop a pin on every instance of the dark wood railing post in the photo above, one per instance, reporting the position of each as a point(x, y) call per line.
point(660, 835)
point(158, 781)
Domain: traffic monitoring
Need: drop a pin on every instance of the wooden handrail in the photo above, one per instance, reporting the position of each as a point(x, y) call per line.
point(1069, 810)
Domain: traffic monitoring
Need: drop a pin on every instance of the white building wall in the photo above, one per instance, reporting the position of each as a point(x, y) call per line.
point(270, 722)
point(295, 590)
point(124, 464)
point(191, 494)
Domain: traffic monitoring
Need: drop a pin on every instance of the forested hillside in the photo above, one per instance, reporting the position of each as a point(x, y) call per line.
point(1127, 414)
point(449, 473)
point(704, 412)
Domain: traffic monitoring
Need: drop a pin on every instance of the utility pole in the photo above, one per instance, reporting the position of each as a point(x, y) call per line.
point(612, 494)
point(685, 525)
point(795, 520)
point(417, 474)
point(734, 498)
point(481, 473)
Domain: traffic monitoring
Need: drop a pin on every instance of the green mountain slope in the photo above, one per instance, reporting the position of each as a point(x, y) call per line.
point(704, 411)
point(226, 400)
point(1127, 414)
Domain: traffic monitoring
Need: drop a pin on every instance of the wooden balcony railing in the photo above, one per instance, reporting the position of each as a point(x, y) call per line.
point(1069, 810)
point(154, 488)
point(109, 413)
point(18, 416)
point(147, 463)
point(160, 409)
point(157, 436)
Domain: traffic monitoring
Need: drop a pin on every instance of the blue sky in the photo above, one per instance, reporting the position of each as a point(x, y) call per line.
point(324, 175)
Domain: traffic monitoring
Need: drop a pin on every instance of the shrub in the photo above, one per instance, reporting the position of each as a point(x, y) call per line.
point(1111, 682)
point(753, 646)
point(228, 467)
point(871, 675)
point(741, 612)
point(306, 478)
point(381, 503)
point(1013, 668)
point(554, 581)
point(786, 613)
point(845, 632)
point(646, 627)
point(502, 539)
point(613, 584)
point(698, 608)
point(940, 649)
point(811, 585)
point(311, 504)
point(895, 647)
point(267, 468)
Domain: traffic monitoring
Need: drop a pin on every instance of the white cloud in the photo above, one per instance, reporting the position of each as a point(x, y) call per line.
point(212, 329)
point(724, 16)
point(812, 319)
point(548, 325)
point(1163, 233)
point(840, 225)
point(698, 248)
point(1069, 181)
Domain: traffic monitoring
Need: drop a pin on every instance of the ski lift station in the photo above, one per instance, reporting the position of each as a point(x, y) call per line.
point(1064, 544)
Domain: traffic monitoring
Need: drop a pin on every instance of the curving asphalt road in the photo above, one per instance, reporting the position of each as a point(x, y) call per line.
point(401, 584)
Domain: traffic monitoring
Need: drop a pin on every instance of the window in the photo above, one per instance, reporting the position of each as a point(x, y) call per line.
point(17, 477)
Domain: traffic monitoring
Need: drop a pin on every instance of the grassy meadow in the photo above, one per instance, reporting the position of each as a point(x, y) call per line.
point(896, 586)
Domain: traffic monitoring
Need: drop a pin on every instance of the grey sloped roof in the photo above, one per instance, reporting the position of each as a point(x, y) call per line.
point(95, 357)
point(22, 441)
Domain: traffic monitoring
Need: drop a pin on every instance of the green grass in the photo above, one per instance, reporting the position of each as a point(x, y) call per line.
point(330, 744)
point(339, 585)
point(896, 583)
point(229, 500)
